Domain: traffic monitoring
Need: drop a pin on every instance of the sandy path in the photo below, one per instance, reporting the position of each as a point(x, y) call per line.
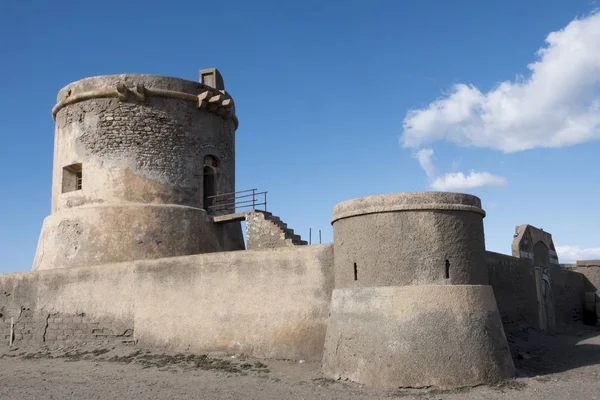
point(550, 367)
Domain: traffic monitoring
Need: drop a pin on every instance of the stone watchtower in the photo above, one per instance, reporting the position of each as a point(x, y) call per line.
point(412, 305)
point(136, 161)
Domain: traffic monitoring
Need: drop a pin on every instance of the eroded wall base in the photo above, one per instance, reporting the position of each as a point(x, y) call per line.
point(67, 305)
point(96, 235)
point(416, 336)
point(267, 304)
point(264, 303)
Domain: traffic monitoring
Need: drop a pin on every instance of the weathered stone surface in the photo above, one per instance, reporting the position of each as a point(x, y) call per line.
point(266, 231)
point(86, 236)
point(135, 152)
point(409, 201)
point(68, 304)
point(535, 244)
point(412, 305)
point(513, 280)
point(416, 336)
point(264, 303)
point(269, 304)
point(591, 270)
point(409, 238)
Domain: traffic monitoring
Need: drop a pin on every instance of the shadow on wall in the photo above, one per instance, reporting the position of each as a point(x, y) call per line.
point(564, 294)
point(589, 271)
point(537, 298)
point(591, 300)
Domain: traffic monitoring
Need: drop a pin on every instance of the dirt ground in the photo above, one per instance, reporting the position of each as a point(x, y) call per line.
point(549, 367)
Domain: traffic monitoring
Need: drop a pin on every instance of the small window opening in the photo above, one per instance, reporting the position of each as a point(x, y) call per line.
point(447, 269)
point(72, 178)
point(355, 272)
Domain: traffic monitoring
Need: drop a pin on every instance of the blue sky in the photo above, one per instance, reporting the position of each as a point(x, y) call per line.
point(336, 100)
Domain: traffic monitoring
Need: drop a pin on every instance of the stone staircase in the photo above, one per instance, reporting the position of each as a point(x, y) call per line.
point(263, 230)
point(287, 232)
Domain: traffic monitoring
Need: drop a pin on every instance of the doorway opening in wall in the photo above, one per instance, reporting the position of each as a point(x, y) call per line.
point(209, 188)
point(72, 178)
point(209, 185)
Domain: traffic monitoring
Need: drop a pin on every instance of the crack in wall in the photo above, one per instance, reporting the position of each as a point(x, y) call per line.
point(45, 328)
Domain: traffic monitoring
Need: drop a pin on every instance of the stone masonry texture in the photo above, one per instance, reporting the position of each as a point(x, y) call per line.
point(142, 162)
point(409, 238)
point(264, 231)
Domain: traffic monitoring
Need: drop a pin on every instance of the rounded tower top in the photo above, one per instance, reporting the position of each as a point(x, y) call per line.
point(208, 94)
point(408, 201)
point(405, 239)
point(105, 81)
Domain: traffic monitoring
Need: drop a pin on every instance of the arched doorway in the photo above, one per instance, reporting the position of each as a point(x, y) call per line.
point(209, 183)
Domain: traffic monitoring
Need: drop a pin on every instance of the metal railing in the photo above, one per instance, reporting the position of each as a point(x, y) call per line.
point(231, 202)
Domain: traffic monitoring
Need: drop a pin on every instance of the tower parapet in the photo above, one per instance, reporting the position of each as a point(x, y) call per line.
point(136, 159)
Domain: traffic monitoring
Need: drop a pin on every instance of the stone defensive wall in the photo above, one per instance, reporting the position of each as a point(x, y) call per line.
point(267, 304)
point(78, 304)
point(273, 303)
point(514, 283)
point(589, 270)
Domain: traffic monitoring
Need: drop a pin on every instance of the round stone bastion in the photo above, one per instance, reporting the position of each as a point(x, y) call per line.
point(137, 161)
point(412, 306)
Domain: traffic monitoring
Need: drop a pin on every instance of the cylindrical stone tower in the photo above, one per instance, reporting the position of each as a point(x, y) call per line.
point(136, 161)
point(412, 306)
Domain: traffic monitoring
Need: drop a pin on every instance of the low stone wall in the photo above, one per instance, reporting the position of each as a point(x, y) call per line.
point(267, 303)
point(590, 270)
point(18, 293)
point(79, 304)
point(569, 295)
point(513, 280)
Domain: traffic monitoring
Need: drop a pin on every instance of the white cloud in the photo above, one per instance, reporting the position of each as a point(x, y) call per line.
point(557, 105)
point(458, 181)
point(568, 254)
point(425, 157)
point(454, 180)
